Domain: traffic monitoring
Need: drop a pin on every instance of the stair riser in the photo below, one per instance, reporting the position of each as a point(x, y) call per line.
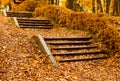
point(40, 27)
point(69, 43)
point(8, 15)
point(76, 39)
point(84, 59)
point(31, 20)
point(79, 48)
point(36, 25)
point(75, 53)
point(17, 14)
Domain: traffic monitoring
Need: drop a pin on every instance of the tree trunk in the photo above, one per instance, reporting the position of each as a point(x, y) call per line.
point(99, 6)
point(107, 6)
point(57, 2)
point(116, 8)
point(119, 7)
point(52, 1)
point(70, 4)
point(93, 6)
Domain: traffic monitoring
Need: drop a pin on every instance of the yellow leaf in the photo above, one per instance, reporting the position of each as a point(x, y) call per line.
point(9, 51)
point(75, 77)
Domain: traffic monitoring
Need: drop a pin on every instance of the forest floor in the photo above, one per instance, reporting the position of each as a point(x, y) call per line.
point(22, 60)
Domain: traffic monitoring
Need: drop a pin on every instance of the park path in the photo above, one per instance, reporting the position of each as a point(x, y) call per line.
point(22, 60)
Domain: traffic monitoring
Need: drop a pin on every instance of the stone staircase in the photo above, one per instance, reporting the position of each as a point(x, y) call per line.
point(25, 20)
point(69, 49)
point(34, 23)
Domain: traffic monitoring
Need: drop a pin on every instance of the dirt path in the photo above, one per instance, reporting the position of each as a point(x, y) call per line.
point(22, 60)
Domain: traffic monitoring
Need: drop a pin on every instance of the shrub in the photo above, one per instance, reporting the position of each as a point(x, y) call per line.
point(96, 24)
point(53, 12)
point(28, 5)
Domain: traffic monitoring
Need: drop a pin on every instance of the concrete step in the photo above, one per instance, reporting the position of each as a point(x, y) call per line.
point(31, 20)
point(41, 27)
point(36, 24)
point(70, 43)
point(78, 53)
point(83, 59)
point(67, 38)
point(19, 14)
point(73, 47)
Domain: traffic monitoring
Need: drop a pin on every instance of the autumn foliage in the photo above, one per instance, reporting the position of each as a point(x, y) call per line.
point(28, 5)
point(5, 2)
point(96, 24)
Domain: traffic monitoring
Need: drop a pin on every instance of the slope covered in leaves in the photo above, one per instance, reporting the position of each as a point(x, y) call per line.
point(96, 24)
point(22, 60)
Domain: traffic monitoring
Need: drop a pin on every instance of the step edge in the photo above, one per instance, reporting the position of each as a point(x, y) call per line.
point(83, 59)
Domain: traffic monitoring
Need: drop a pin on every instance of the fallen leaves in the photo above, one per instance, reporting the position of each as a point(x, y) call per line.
point(22, 60)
